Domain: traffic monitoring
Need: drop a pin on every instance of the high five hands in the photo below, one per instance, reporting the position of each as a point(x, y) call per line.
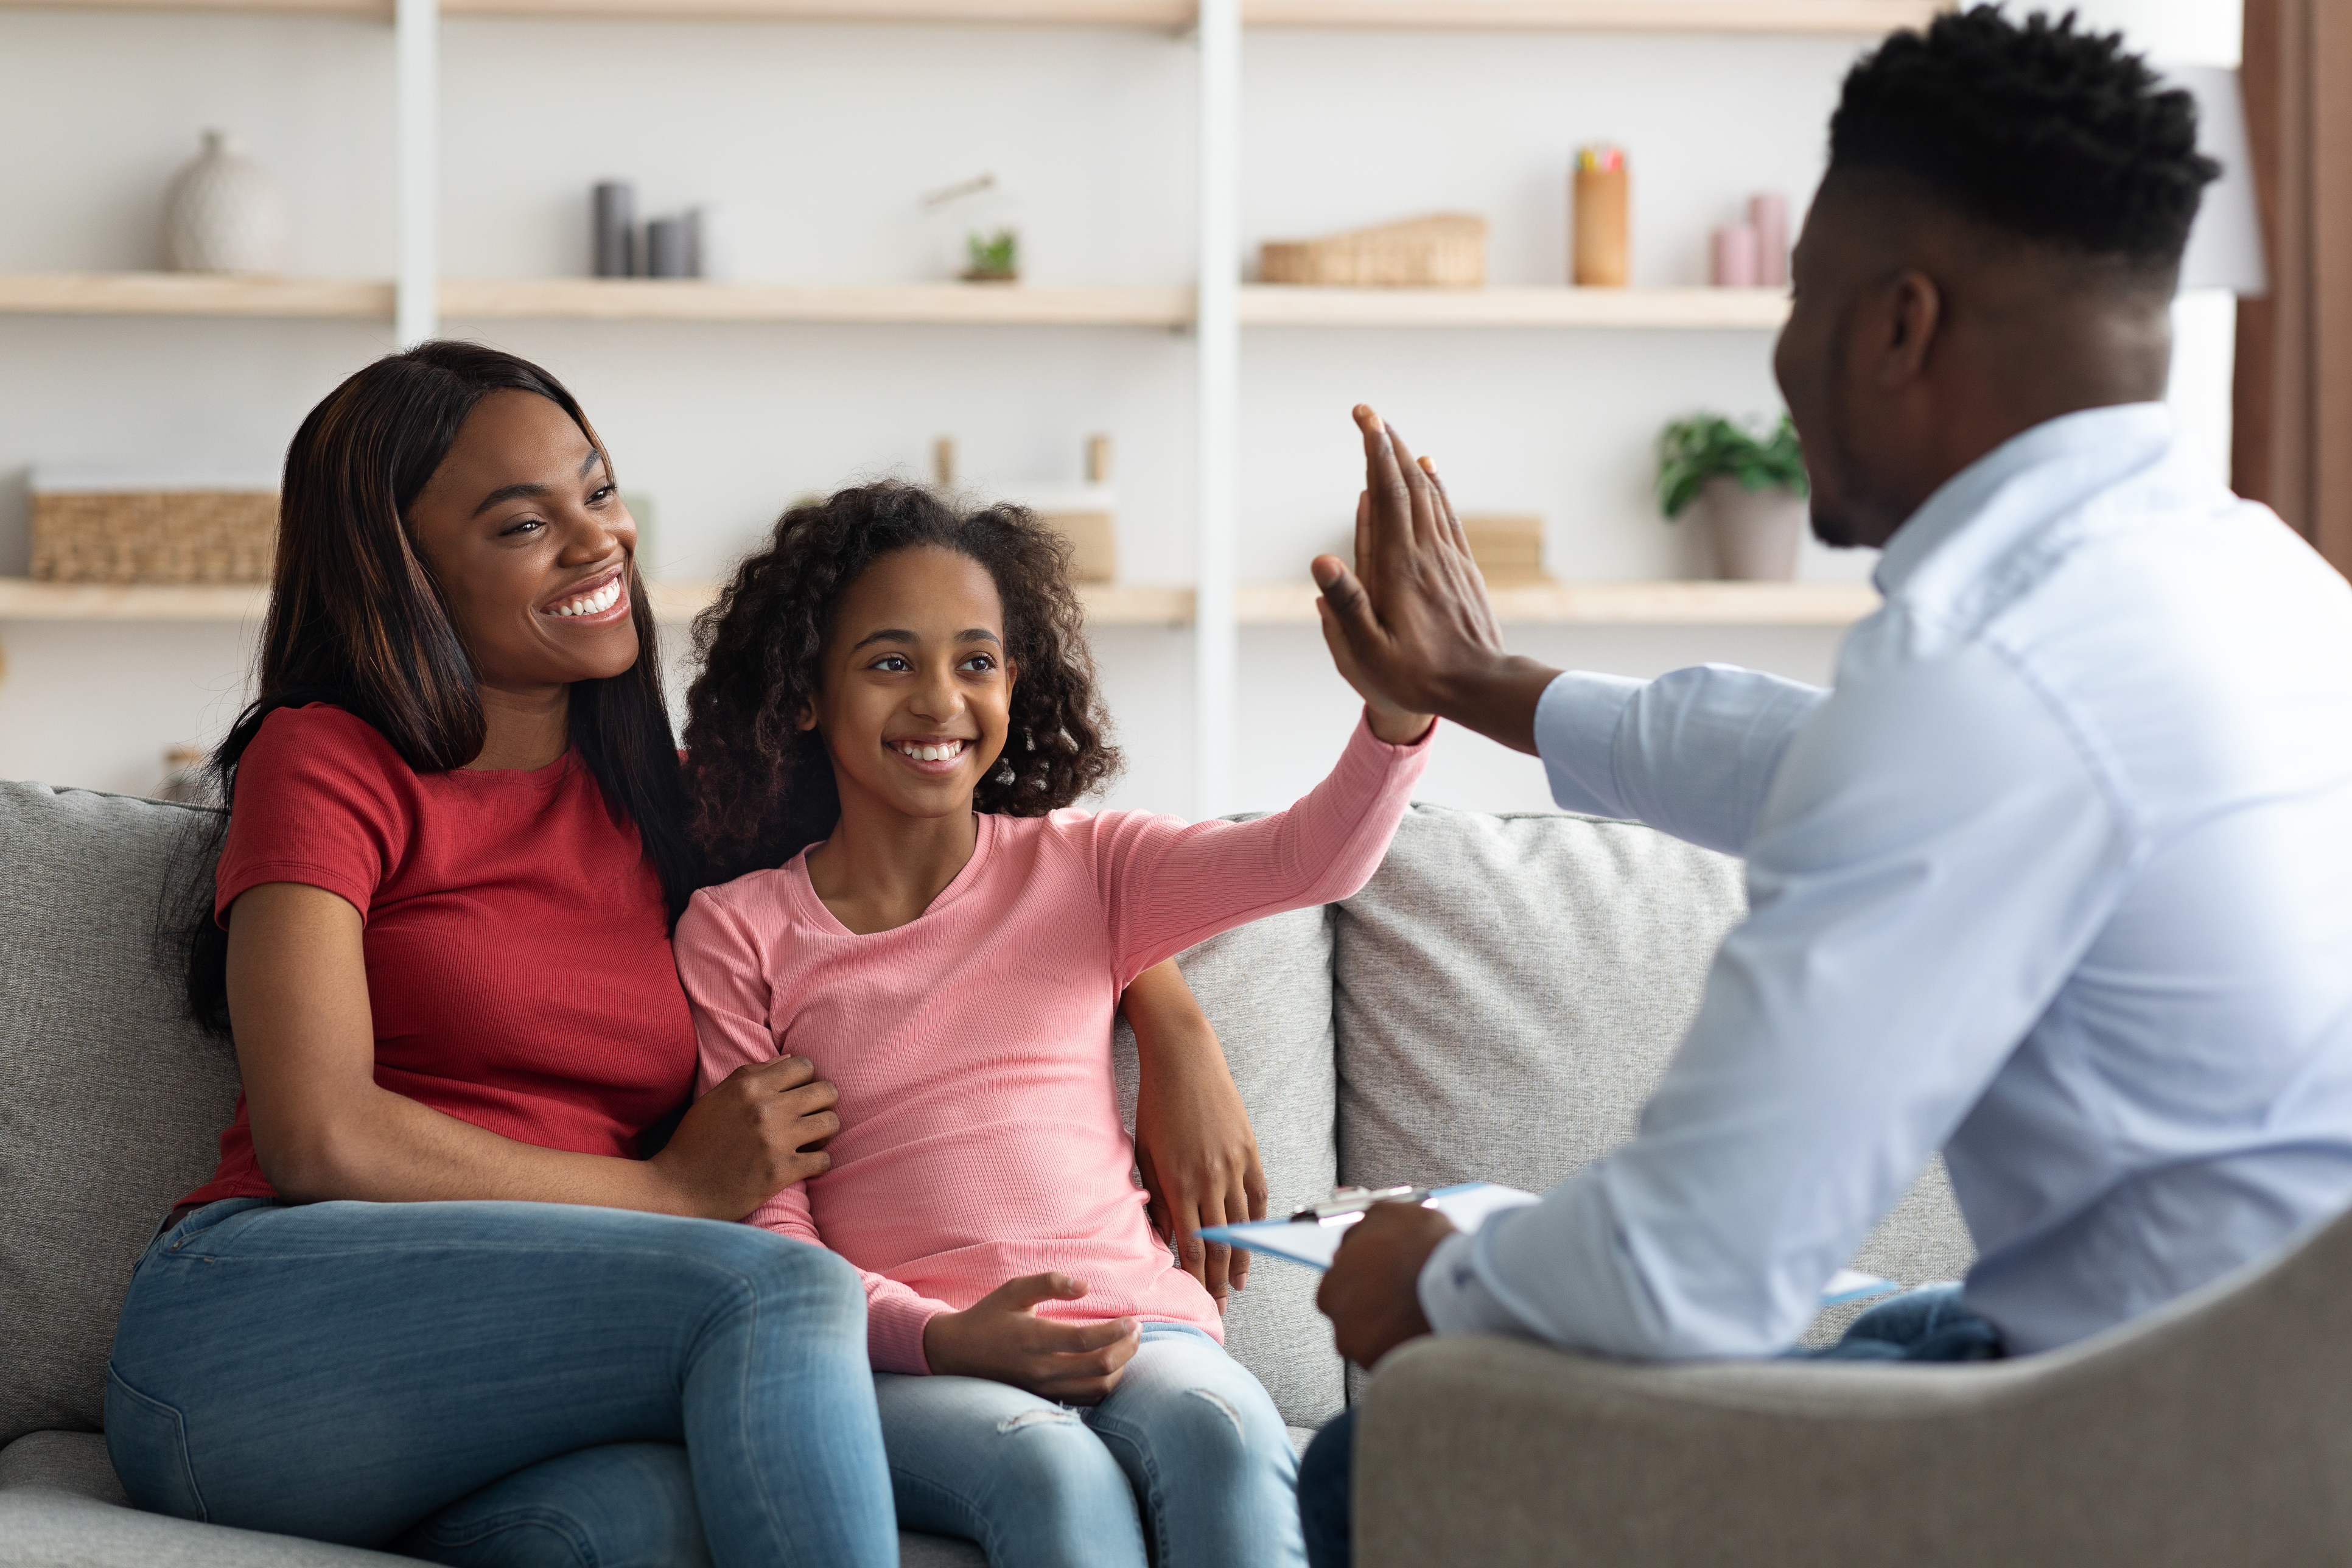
point(1412, 627)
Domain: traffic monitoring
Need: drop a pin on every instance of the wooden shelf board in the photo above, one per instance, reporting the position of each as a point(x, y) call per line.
point(1160, 14)
point(1615, 604)
point(191, 294)
point(1856, 18)
point(22, 599)
point(1288, 305)
point(1107, 604)
point(687, 299)
point(1859, 17)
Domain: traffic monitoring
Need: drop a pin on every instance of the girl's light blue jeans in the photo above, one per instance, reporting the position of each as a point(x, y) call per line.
point(517, 1384)
point(1187, 1447)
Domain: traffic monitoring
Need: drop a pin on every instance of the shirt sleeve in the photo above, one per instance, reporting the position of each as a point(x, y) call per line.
point(1934, 858)
point(718, 964)
point(314, 802)
point(1167, 884)
point(1691, 753)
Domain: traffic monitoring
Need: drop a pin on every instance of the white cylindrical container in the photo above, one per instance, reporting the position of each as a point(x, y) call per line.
point(223, 213)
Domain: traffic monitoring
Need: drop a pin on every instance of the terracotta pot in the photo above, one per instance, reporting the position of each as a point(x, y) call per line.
point(1756, 532)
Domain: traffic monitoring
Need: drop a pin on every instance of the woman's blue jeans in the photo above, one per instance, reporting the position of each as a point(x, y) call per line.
point(1187, 1431)
point(503, 1384)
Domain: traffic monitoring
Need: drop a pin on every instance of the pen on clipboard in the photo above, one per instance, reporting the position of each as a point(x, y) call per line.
point(1348, 1204)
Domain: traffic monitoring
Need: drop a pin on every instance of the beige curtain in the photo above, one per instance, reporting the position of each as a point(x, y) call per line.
point(2292, 442)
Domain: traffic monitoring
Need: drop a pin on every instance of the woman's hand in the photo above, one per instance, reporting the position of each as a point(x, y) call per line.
point(1001, 1337)
point(1192, 1137)
point(760, 1131)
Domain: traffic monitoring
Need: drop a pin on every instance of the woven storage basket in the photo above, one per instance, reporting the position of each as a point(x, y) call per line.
point(153, 536)
point(1445, 251)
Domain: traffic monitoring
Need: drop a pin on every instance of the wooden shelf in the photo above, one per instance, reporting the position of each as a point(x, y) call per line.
point(1286, 305)
point(1615, 604)
point(917, 304)
point(22, 599)
point(1107, 604)
point(684, 299)
point(1856, 18)
point(1859, 17)
point(191, 294)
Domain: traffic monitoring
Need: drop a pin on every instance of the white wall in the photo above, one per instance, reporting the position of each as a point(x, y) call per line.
point(821, 138)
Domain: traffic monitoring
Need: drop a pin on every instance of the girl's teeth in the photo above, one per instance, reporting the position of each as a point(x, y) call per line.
point(934, 753)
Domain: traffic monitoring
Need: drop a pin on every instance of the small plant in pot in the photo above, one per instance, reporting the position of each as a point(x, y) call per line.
point(1749, 486)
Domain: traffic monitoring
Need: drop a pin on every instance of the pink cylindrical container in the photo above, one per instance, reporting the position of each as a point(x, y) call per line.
point(1768, 214)
point(1735, 257)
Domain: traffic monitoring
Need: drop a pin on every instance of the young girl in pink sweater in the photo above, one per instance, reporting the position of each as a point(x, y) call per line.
point(897, 713)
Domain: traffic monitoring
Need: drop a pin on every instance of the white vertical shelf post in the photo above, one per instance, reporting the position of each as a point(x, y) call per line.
point(1216, 637)
point(417, 74)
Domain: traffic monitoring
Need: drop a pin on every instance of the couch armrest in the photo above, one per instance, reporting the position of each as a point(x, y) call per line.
point(1497, 1452)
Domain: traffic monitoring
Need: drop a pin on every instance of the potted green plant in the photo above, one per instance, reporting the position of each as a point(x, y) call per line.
point(1750, 486)
point(995, 258)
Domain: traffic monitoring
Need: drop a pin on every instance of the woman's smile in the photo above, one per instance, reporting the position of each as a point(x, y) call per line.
point(605, 597)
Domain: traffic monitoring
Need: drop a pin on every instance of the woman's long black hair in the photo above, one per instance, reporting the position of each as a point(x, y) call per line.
point(356, 619)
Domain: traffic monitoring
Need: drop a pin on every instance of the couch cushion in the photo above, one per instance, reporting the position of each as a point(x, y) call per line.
point(1509, 989)
point(1268, 988)
point(111, 1101)
point(60, 1507)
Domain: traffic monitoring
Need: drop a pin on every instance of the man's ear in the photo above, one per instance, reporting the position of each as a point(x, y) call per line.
point(1915, 308)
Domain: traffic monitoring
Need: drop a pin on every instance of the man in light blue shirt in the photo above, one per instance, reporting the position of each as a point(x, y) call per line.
point(2055, 879)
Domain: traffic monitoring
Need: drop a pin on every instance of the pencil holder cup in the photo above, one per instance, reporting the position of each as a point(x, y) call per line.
point(1601, 248)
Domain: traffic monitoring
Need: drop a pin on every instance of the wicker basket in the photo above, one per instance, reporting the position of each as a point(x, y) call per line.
point(1509, 550)
point(1445, 250)
point(153, 536)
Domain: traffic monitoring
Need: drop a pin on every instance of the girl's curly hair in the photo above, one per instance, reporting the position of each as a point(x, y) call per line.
point(762, 788)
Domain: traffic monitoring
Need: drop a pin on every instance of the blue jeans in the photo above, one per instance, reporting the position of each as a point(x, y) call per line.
point(502, 1384)
point(1925, 1324)
point(1040, 1485)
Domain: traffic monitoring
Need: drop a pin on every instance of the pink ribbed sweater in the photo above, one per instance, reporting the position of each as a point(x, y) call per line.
point(979, 1134)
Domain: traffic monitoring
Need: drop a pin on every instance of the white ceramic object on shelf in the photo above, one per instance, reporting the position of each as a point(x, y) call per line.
point(223, 213)
point(1756, 532)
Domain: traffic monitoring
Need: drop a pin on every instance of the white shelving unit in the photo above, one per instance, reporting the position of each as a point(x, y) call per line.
point(416, 300)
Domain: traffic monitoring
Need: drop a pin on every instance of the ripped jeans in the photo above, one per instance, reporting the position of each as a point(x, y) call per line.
point(1187, 1434)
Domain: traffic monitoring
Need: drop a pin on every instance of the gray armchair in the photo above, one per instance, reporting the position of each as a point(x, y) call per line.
point(2215, 1432)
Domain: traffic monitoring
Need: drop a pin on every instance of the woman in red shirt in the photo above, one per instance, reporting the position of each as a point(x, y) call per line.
point(432, 1298)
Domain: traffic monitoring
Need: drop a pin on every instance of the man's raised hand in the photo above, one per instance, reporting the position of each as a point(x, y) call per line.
point(1412, 628)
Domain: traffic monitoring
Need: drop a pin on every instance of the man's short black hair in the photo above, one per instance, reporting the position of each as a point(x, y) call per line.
point(2052, 133)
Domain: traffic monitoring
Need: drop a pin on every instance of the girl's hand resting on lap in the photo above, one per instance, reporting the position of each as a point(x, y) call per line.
point(1001, 1337)
point(749, 1139)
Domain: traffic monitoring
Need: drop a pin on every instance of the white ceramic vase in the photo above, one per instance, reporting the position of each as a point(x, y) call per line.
point(1756, 532)
point(223, 213)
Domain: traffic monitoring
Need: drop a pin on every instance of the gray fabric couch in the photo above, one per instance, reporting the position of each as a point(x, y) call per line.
point(1494, 1005)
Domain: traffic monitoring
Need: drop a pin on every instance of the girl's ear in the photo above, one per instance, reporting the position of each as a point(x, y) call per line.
point(807, 720)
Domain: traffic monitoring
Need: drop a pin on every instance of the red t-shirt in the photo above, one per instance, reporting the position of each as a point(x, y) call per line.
point(518, 952)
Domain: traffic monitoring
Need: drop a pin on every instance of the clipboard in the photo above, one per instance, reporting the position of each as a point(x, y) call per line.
point(1312, 1235)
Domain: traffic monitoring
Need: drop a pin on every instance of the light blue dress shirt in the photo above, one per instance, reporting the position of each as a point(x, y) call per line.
point(2056, 878)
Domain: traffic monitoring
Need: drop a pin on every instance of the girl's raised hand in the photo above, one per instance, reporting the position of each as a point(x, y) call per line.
point(1002, 1336)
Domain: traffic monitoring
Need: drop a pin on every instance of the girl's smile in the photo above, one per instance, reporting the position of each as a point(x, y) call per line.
point(935, 756)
